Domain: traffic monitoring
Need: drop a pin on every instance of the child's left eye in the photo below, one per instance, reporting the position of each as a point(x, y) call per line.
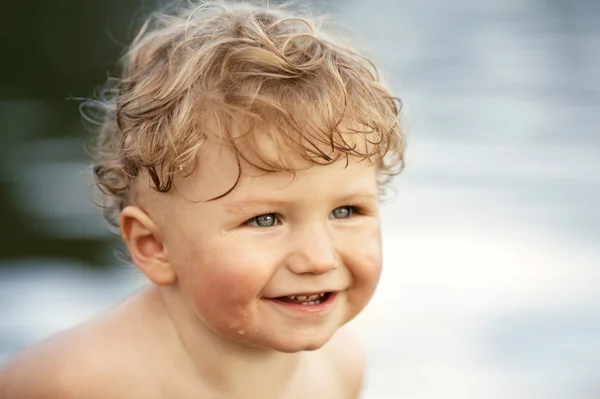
point(343, 212)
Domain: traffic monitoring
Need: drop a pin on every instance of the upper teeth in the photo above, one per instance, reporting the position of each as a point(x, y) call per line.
point(306, 297)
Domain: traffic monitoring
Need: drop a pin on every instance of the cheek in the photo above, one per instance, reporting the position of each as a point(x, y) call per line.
point(365, 264)
point(368, 274)
point(222, 286)
point(366, 261)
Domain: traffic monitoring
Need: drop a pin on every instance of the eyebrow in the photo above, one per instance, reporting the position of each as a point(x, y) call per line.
point(245, 205)
point(253, 203)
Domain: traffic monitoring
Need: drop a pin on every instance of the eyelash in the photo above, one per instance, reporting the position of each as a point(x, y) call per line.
point(354, 210)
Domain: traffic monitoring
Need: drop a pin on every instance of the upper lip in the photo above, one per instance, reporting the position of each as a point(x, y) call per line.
point(307, 293)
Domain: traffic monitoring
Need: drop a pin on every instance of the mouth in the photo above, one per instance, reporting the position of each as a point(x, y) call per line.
point(305, 299)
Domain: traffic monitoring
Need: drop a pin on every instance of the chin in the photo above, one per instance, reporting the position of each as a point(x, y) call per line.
point(294, 344)
point(299, 347)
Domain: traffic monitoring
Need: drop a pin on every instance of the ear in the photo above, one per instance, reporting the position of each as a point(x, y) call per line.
point(144, 241)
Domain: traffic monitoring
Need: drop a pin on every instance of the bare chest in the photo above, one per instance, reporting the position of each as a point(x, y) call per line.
point(317, 383)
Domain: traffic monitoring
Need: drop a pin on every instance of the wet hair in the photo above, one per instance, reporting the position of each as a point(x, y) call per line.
point(240, 74)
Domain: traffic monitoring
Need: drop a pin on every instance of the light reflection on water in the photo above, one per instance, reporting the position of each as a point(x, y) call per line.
point(492, 257)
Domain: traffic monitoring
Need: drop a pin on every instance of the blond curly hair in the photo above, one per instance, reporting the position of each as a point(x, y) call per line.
point(238, 73)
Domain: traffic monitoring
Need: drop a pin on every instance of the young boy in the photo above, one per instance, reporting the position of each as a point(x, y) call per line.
point(242, 156)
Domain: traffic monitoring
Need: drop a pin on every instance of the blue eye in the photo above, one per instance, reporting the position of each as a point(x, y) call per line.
point(266, 220)
point(343, 212)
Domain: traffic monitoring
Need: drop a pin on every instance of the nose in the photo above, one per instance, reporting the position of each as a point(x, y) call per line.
point(313, 252)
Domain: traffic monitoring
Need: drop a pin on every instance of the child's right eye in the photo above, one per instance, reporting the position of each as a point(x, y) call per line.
point(265, 220)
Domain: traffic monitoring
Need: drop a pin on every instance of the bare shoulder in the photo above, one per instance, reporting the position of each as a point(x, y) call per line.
point(348, 358)
point(82, 362)
point(55, 368)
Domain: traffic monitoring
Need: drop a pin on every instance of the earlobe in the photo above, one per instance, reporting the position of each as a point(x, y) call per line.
point(143, 239)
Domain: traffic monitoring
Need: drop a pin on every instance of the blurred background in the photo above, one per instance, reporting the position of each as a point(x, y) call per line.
point(492, 242)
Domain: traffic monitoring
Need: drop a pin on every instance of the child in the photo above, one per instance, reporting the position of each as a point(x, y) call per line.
point(242, 157)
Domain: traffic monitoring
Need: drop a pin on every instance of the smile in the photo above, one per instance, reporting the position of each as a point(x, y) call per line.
point(313, 299)
point(308, 303)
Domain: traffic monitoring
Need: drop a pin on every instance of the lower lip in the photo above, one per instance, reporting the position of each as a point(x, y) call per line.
point(297, 307)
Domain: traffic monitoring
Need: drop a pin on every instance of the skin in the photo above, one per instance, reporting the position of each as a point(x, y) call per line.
point(207, 327)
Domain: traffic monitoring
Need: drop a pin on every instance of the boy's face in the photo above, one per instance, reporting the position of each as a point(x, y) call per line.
point(240, 257)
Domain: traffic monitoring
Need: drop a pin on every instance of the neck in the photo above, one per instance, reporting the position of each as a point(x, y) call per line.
point(228, 366)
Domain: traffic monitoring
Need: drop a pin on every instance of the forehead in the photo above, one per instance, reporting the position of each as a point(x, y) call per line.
point(218, 171)
point(261, 159)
